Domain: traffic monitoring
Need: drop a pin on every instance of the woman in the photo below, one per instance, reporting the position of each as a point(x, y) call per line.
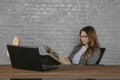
point(88, 51)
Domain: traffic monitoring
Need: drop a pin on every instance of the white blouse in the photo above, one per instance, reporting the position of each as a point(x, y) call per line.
point(78, 55)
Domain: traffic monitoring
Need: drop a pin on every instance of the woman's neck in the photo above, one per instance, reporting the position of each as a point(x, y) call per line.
point(86, 46)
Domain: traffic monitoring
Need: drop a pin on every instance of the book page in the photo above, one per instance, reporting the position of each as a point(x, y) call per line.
point(55, 55)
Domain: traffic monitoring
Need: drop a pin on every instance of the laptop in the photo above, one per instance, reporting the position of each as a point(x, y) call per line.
point(26, 57)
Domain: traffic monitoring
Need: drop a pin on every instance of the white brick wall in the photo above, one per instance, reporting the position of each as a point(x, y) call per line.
point(57, 24)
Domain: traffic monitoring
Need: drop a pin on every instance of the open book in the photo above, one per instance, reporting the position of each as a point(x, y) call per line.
point(55, 55)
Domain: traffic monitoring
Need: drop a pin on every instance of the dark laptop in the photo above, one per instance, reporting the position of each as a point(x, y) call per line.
point(26, 57)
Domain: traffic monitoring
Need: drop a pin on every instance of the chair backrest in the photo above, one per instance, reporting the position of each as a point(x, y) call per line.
point(102, 50)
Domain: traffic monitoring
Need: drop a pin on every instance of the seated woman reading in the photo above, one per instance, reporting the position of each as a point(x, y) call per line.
point(87, 52)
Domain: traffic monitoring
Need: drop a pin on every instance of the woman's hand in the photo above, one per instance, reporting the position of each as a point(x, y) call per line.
point(67, 60)
point(64, 60)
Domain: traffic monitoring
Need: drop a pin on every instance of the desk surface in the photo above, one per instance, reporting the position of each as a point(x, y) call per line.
point(64, 72)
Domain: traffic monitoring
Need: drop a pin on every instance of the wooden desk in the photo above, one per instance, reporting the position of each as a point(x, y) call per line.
point(64, 72)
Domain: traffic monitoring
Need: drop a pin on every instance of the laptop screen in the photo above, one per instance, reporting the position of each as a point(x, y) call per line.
point(25, 57)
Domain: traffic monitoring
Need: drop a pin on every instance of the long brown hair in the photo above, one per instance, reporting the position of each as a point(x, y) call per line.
point(93, 41)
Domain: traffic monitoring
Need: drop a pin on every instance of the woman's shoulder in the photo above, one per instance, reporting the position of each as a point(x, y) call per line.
point(97, 50)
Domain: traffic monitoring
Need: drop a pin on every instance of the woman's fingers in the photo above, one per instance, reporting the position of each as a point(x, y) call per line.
point(67, 60)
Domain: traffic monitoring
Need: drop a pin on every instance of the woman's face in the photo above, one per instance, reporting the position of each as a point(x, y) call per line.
point(84, 38)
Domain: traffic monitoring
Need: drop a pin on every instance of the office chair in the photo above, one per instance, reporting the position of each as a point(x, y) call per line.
point(102, 50)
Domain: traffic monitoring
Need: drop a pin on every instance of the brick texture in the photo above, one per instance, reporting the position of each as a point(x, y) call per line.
point(57, 24)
